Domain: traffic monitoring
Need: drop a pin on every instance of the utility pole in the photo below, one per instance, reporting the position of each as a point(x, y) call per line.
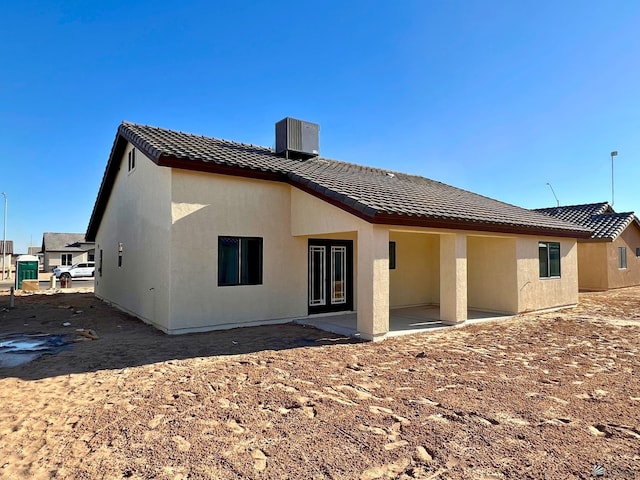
point(613, 154)
point(4, 237)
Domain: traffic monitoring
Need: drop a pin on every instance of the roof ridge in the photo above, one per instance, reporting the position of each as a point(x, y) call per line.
point(573, 206)
point(195, 135)
point(612, 214)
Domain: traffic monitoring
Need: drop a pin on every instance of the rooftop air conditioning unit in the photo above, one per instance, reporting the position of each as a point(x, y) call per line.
point(297, 138)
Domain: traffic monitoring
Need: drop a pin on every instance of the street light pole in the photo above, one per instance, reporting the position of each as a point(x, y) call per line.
point(554, 194)
point(613, 154)
point(4, 237)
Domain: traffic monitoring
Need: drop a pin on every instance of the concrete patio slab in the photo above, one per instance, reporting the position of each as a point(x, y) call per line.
point(402, 321)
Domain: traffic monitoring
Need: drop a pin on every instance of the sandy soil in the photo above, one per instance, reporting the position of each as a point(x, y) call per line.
point(539, 396)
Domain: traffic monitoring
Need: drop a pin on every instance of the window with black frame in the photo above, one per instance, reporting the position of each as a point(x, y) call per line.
point(239, 261)
point(549, 254)
point(392, 255)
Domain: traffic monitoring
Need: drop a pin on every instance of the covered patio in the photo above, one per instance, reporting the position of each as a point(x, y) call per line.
point(402, 321)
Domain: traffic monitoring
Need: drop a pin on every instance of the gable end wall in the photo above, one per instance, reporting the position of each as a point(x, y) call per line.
point(138, 216)
point(629, 276)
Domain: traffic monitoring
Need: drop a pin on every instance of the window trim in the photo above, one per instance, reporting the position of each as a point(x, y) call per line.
point(69, 259)
point(241, 254)
point(548, 274)
point(132, 159)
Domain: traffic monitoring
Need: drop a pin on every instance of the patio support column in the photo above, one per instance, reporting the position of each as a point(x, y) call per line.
point(373, 283)
point(453, 278)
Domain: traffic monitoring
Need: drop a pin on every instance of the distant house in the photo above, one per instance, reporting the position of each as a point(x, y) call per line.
point(610, 258)
point(195, 233)
point(37, 252)
point(6, 254)
point(60, 249)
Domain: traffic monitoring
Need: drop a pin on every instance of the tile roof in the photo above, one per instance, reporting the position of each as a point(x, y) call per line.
point(376, 195)
point(600, 218)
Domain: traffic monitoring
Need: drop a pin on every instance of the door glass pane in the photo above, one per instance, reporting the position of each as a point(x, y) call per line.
point(338, 275)
point(317, 275)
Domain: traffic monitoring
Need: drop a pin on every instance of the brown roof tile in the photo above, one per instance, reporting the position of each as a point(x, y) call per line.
point(600, 218)
point(377, 195)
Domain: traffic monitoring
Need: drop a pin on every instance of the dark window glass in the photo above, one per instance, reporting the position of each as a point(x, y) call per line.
point(549, 256)
point(228, 260)
point(132, 159)
point(544, 259)
point(554, 259)
point(66, 259)
point(239, 261)
point(392, 255)
point(251, 260)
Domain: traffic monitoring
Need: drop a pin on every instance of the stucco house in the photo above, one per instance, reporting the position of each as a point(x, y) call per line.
point(6, 258)
point(195, 233)
point(610, 257)
point(60, 249)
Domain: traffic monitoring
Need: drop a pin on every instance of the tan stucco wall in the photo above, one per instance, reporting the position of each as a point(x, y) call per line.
point(491, 274)
point(311, 216)
point(592, 266)
point(169, 221)
point(415, 280)
point(137, 215)
point(206, 206)
point(629, 276)
point(535, 293)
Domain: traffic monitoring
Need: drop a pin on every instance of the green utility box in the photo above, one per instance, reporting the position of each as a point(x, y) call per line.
point(26, 269)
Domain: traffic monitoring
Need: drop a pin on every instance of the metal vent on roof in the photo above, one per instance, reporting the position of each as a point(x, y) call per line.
point(297, 138)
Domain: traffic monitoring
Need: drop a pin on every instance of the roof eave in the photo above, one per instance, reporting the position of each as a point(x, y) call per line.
point(372, 215)
point(461, 224)
point(597, 240)
point(213, 167)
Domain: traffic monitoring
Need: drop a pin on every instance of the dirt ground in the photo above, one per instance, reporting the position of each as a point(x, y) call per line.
point(539, 396)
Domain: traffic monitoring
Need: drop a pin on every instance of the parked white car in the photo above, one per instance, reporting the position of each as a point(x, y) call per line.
point(84, 269)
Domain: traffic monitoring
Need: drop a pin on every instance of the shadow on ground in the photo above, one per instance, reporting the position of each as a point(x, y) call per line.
point(125, 341)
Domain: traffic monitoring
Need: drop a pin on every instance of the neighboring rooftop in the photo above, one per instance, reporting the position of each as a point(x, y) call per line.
point(376, 195)
point(600, 218)
point(58, 242)
point(9, 249)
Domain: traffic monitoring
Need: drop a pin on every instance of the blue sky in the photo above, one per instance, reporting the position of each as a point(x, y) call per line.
point(496, 97)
